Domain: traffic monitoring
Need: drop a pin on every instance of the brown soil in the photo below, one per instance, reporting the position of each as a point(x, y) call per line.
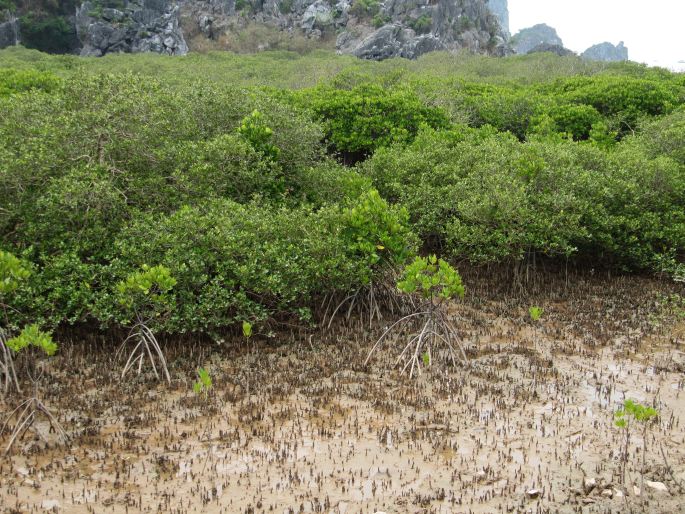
point(302, 425)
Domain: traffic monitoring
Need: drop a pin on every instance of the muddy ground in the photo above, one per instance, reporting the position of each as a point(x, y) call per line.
point(297, 422)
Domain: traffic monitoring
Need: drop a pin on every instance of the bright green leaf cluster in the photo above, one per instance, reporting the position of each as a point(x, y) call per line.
point(378, 231)
point(432, 278)
point(31, 335)
point(203, 383)
point(151, 283)
point(535, 312)
point(247, 329)
point(254, 130)
point(636, 411)
point(12, 272)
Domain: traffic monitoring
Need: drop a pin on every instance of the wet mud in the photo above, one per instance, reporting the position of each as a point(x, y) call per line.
point(297, 423)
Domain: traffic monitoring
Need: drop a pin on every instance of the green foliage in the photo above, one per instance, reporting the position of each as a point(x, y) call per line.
point(254, 130)
point(422, 24)
point(432, 278)
point(576, 120)
point(485, 197)
point(31, 335)
point(242, 261)
point(148, 287)
point(377, 232)
point(109, 163)
point(636, 411)
point(380, 19)
point(247, 329)
point(623, 99)
point(203, 384)
point(12, 272)
point(19, 81)
point(51, 34)
point(8, 5)
point(368, 117)
point(285, 6)
point(601, 136)
point(665, 136)
point(365, 8)
point(535, 312)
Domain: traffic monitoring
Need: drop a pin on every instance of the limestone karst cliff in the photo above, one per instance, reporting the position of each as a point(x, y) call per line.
point(369, 29)
point(500, 8)
point(527, 39)
point(606, 52)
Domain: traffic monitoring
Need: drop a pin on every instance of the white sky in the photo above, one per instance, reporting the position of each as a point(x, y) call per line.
point(652, 30)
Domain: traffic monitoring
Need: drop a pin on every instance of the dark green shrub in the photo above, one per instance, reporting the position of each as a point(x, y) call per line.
point(486, 197)
point(51, 34)
point(241, 261)
point(576, 120)
point(365, 7)
point(665, 136)
point(622, 98)
point(367, 117)
point(422, 24)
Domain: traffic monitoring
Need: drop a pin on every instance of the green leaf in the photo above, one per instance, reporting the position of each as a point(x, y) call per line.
point(247, 329)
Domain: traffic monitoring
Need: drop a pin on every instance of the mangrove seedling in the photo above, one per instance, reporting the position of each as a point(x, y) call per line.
point(12, 273)
point(203, 384)
point(434, 281)
point(144, 296)
point(25, 414)
point(535, 313)
point(631, 413)
point(247, 329)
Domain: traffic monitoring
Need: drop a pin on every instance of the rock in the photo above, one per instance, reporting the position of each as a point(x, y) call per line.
point(501, 10)
point(21, 471)
point(110, 14)
point(533, 493)
point(407, 29)
point(606, 52)
point(657, 486)
point(9, 31)
point(49, 505)
point(527, 39)
point(382, 44)
point(618, 493)
point(589, 484)
point(317, 15)
point(636, 490)
point(608, 493)
point(393, 40)
point(143, 26)
point(399, 28)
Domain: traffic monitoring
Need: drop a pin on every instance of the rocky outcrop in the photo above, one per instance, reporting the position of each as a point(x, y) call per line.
point(139, 26)
point(414, 28)
point(369, 29)
point(554, 49)
point(500, 9)
point(9, 30)
point(527, 39)
point(606, 52)
point(394, 40)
